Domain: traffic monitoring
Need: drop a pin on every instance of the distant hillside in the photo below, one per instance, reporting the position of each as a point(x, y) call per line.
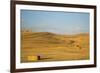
point(42, 37)
point(50, 39)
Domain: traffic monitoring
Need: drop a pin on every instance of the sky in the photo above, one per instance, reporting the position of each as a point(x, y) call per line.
point(55, 21)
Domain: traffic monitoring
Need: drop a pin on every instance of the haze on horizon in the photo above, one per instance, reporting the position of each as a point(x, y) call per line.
point(55, 21)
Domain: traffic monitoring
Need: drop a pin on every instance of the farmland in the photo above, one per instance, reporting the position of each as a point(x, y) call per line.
point(54, 47)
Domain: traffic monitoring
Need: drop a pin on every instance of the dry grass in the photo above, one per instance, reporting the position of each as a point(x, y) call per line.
point(54, 47)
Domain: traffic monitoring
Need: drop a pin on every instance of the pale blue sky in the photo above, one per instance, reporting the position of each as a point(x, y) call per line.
point(55, 21)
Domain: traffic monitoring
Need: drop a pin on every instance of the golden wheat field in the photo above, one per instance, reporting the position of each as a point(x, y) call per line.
point(53, 47)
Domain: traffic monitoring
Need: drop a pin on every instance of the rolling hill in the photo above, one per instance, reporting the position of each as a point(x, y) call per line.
point(54, 47)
